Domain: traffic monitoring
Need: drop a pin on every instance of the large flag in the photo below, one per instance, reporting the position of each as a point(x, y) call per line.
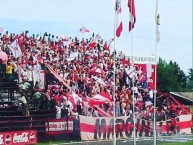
point(15, 49)
point(101, 98)
point(157, 21)
point(132, 19)
point(119, 25)
point(84, 30)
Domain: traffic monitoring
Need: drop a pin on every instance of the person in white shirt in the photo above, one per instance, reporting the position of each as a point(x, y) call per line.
point(58, 111)
point(24, 105)
point(95, 113)
point(151, 95)
point(24, 74)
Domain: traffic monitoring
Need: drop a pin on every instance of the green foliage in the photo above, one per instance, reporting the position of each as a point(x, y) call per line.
point(190, 80)
point(172, 78)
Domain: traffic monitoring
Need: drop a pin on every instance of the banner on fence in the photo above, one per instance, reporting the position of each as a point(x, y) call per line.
point(18, 137)
point(96, 128)
point(59, 126)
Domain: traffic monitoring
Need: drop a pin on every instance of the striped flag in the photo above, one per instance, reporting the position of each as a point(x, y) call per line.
point(119, 25)
point(157, 21)
point(132, 19)
point(101, 98)
point(84, 30)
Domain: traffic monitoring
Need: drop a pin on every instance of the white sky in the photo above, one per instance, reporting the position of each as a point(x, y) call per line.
point(61, 17)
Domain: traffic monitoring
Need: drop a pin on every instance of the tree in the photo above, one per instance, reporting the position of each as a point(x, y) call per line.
point(170, 77)
point(190, 80)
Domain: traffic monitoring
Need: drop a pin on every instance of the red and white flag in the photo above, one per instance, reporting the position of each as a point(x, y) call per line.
point(119, 25)
point(15, 49)
point(73, 99)
point(132, 19)
point(1, 30)
point(101, 98)
point(84, 30)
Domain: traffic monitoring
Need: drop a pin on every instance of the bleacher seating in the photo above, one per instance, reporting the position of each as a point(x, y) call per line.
point(14, 120)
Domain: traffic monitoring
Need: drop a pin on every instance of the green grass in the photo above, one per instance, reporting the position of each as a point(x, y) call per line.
point(63, 142)
point(179, 143)
point(50, 142)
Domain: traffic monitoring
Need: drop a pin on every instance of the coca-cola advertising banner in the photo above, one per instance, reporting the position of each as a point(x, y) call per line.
point(59, 126)
point(18, 137)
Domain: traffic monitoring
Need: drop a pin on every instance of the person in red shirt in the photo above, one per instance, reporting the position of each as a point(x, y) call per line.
point(56, 98)
point(173, 106)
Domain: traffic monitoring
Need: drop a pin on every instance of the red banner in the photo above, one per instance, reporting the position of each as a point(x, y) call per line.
point(59, 126)
point(18, 137)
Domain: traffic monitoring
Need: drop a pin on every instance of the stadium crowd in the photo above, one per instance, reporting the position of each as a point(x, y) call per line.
point(87, 68)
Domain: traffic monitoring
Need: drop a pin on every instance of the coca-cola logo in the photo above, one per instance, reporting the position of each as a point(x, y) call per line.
point(20, 138)
point(32, 137)
point(8, 139)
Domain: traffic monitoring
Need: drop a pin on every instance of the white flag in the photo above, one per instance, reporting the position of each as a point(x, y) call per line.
point(15, 49)
point(157, 21)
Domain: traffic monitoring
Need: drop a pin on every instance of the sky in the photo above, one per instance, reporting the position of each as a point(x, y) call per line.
point(66, 17)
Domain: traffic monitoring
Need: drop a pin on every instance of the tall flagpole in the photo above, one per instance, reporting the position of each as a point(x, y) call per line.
point(154, 118)
point(133, 102)
point(155, 91)
point(114, 81)
point(155, 83)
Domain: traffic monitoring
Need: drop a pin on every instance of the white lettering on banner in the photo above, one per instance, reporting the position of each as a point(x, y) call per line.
point(94, 128)
point(20, 138)
point(60, 126)
point(1, 139)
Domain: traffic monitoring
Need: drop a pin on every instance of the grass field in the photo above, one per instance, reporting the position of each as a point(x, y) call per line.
point(60, 142)
point(179, 143)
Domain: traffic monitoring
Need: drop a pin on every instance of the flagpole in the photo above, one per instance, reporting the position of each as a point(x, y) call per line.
point(155, 88)
point(155, 82)
point(133, 102)
point(114, 81)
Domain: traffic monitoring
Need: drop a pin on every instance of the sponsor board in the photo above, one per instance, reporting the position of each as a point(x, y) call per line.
point(59, 126)
point(18, 137)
